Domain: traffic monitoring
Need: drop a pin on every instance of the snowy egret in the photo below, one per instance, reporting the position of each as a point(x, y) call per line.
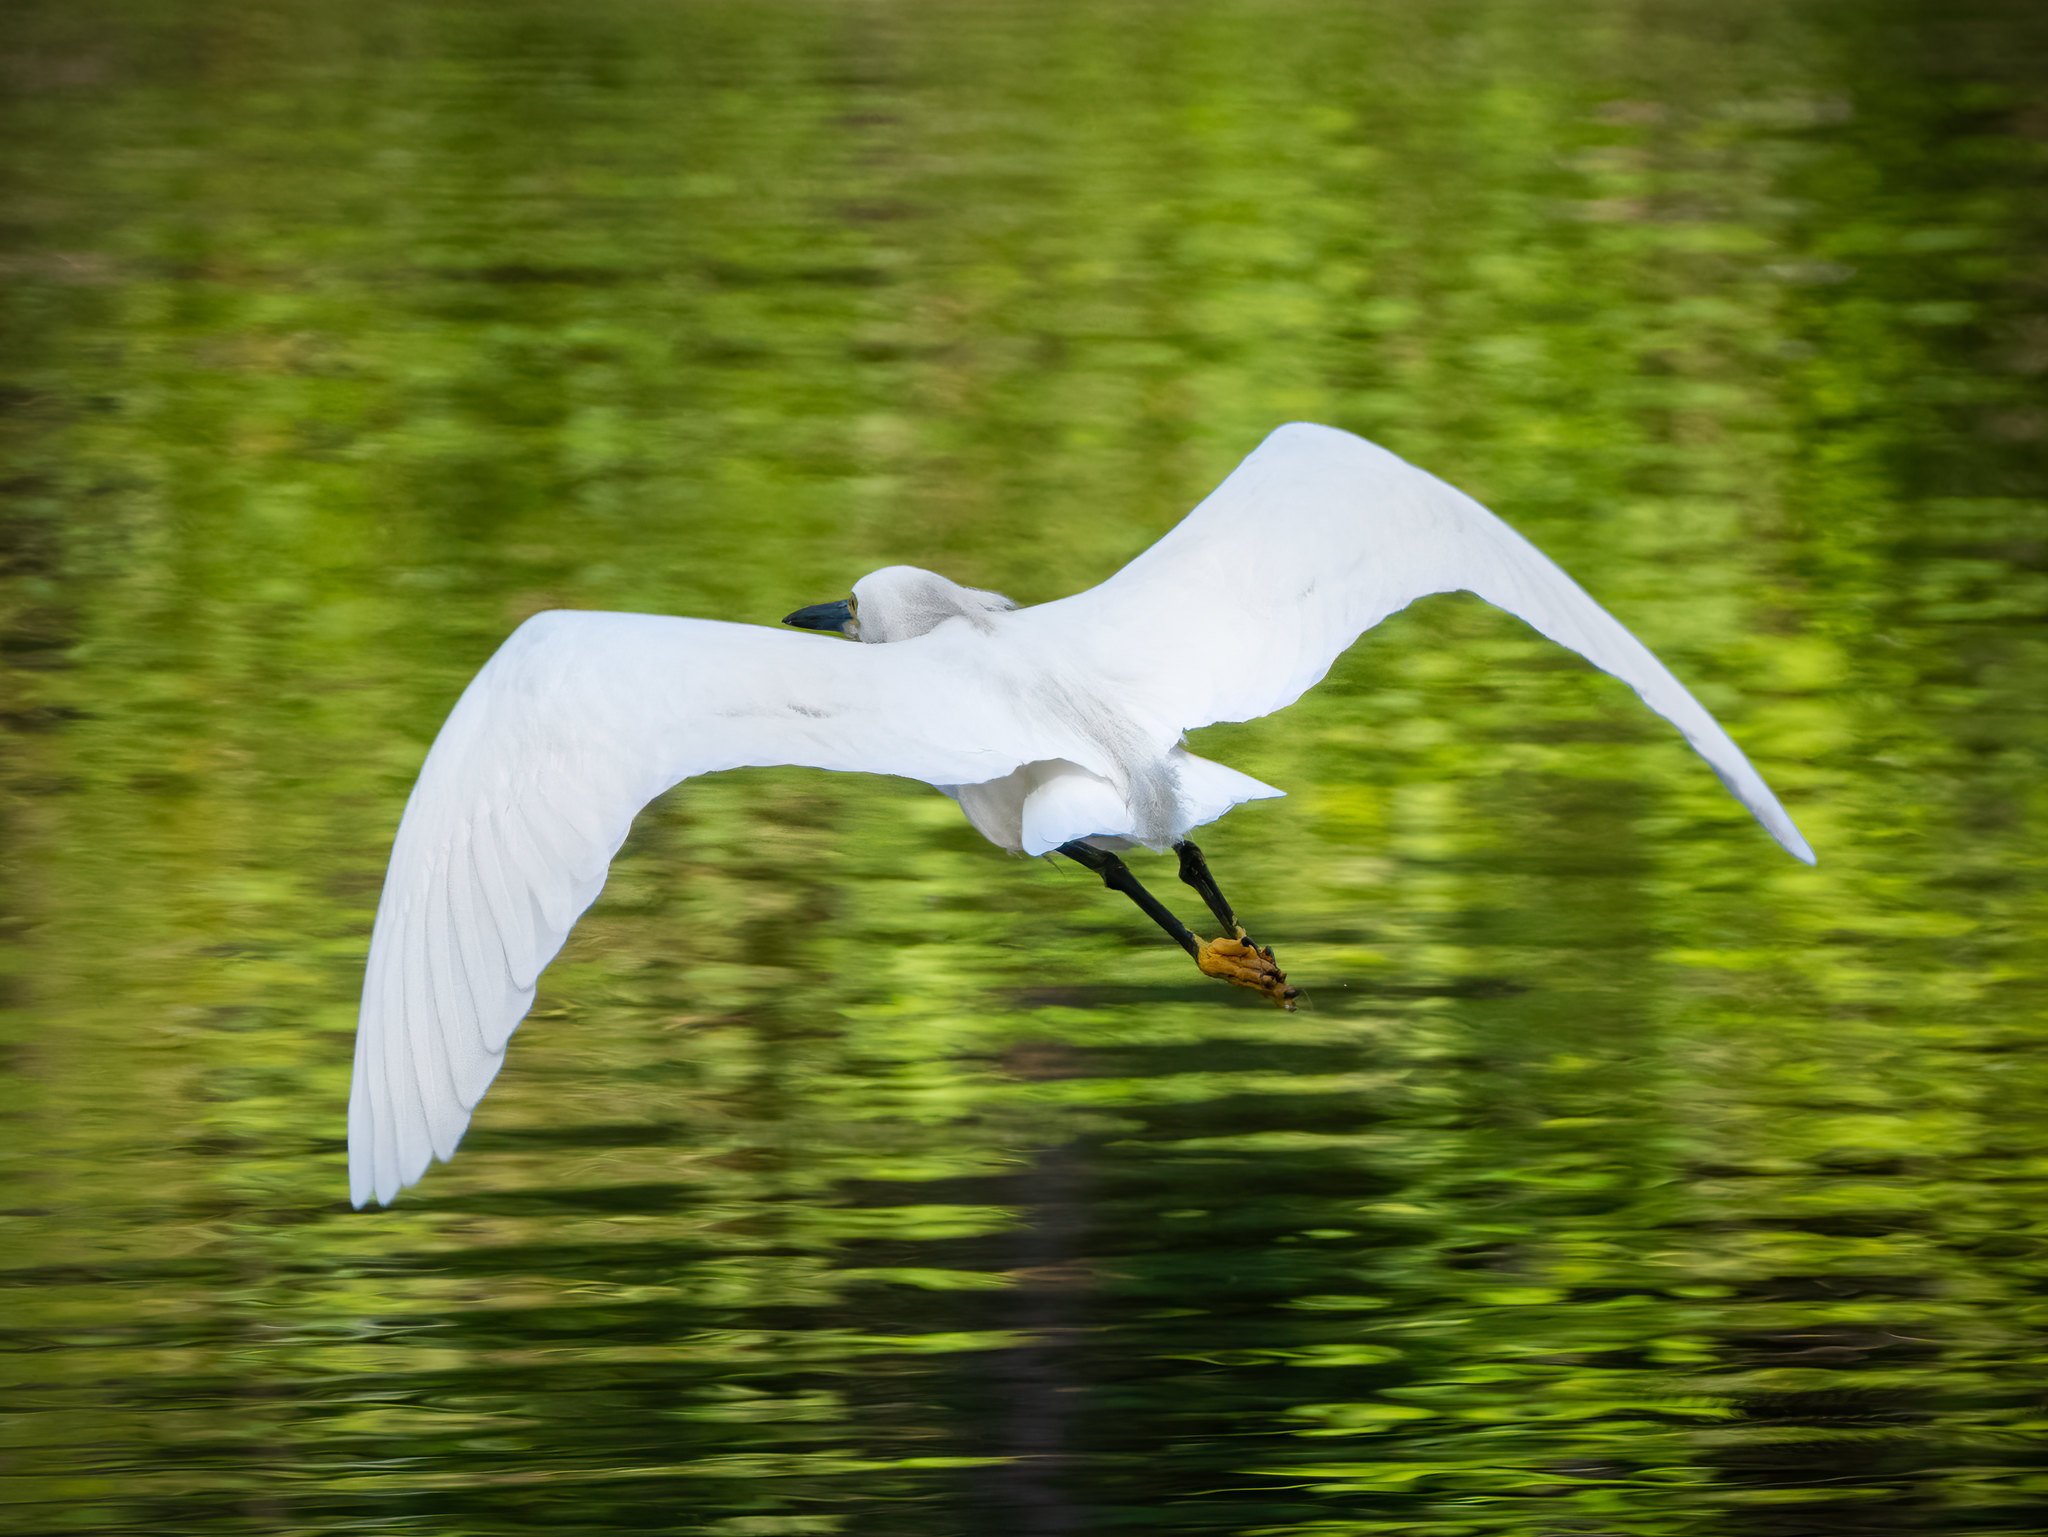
point(1057, 728)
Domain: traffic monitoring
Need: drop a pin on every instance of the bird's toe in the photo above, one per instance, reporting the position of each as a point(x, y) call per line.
point(1242, 963)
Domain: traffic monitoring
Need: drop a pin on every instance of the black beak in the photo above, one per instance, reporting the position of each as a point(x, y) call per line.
point(837, 617)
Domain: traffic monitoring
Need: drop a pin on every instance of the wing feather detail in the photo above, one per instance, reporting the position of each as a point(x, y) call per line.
point(508, 917)
point(402, 1055)
point(362, 1126)
point(530, 788)
point(457, 1034)
point(1313, 540)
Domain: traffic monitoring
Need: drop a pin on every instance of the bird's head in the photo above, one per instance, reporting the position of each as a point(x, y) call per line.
point(899, 602)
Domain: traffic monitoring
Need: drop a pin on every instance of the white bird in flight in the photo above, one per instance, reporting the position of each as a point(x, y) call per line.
point(1057, 728)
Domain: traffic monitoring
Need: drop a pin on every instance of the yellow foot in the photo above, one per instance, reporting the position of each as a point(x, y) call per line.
point(1243, 964)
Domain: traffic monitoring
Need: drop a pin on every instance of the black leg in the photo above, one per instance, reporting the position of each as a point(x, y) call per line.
point(1194, 869)
point(1116, 875)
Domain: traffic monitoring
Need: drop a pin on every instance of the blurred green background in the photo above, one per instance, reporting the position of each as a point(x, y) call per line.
point(1626, 1177)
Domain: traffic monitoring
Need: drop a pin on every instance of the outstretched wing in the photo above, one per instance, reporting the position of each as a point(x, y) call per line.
point(577, 722)
point(1313, 540)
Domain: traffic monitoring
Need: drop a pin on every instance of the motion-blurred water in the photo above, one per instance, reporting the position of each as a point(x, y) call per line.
point(1625, 1178)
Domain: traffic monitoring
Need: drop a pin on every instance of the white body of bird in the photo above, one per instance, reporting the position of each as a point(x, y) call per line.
point(1049, 724)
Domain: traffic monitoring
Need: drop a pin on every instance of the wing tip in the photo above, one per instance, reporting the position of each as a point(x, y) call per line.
point(1783, 830)
point(362, 1183)
point(371, 1185)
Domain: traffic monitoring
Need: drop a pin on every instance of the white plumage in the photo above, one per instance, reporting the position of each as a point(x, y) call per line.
point(1048, 724)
